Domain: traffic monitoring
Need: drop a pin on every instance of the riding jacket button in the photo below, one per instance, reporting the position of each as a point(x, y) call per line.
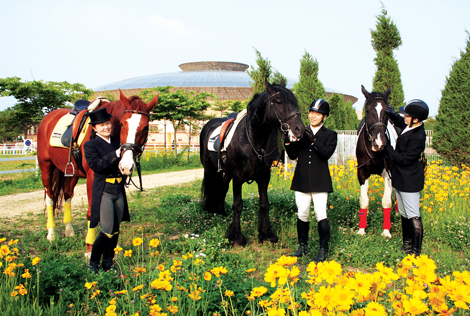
point(309, 162)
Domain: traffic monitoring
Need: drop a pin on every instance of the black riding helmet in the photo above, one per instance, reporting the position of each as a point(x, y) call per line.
point(320, 106)
point(417, 109)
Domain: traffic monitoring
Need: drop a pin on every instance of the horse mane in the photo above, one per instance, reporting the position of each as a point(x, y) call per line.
point(256, 102)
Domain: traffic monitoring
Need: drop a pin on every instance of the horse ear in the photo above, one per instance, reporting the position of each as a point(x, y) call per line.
point(124, 100)
point(387, 93)
point(269, 87)
point(283, 83)
point(152, 104)
point(365, 92)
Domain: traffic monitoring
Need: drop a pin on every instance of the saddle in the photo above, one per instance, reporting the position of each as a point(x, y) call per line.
point(62, 133)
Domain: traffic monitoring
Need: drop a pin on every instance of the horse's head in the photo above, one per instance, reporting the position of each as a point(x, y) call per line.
point(283, 110)
point(134, 130)
point(376, 118)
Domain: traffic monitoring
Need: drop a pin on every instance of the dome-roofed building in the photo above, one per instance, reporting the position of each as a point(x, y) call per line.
point(227, 80)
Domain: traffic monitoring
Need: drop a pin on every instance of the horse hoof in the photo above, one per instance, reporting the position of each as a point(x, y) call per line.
point(386, 233)
point(361, 231)
point(69, 230)
point(269, 237)
point(51, 234)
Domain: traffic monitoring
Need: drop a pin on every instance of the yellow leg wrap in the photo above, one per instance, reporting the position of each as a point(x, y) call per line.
point(50, 217)
point(67, 212)
point(91, 235)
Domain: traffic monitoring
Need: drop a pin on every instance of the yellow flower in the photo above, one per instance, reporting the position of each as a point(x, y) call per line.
point(414, 306)
point(117, 250)
point(96, 293)
point(329, 271)
point(121, 292)
point(113, 301)
point(36, 261)
point(275, 272)
point(137, 241)
point(4, 251)
point(229, 293)
point(26, 274)
point(21, 289)
point(173, 309)
point(2, 239)
point(154, 243)
point(461, 296)
point(207, 276)
point(174, 299)
point(90, 285)
point(14, 293)
point(250, 270)
point(140, 270)
point(218, 270)
point(12, 242)
point(286, 261)
point(138, 288)
point(258, 291)
point(128, 253)
point(375, 309)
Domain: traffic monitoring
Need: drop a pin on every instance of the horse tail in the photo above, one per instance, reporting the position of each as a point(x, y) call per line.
point(58, 180)
point(213, 191)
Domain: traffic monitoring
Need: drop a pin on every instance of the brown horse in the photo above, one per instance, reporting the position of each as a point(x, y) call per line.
point(130, 118)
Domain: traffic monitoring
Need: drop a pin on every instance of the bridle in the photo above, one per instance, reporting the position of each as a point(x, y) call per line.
point(136, 152)
point(284, 126)
point(369, 136)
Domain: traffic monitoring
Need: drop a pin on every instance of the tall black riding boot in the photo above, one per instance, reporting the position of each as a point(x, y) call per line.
point(99, 247)
point(302, 233)
point(324, 232)
point(108, 255)
point(416, 231)
point(406, 232)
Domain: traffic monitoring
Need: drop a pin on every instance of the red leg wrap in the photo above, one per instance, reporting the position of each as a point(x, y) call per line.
point(387, 223)
point(363, 218)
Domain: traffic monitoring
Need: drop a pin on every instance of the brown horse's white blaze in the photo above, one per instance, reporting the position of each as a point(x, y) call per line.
point(127, 164)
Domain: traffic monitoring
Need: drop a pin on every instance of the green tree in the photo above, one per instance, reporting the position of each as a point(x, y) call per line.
point(258, 75)
point(337, 118)
point(451, 136)
point(222, 106)
point(179, 107)
point(385, 39)
point(277, 77)
point(237, 105)
point(8, 130)
point(352, 122)
point(37, 98)
point(309, 87)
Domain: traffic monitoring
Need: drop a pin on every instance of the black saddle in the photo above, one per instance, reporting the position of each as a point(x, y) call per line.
point(79, 106)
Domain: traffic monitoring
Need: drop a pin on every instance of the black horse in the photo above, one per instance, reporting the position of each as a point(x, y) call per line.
point(371, 141)
point(249, 156)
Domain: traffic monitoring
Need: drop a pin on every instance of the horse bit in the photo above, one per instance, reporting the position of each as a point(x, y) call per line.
point(136, 151)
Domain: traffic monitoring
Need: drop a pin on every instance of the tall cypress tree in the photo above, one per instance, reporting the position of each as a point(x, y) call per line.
point(451, 136)
point(352, 122)
point(258, 75)
point(308, 88)
point(337, 118)
point(385, 39)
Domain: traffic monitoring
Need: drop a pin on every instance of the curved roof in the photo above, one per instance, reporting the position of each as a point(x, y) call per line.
point(202, 78)
point(228, 80)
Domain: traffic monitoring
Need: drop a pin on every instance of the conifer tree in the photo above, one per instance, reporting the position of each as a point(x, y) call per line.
point(259, 74)
point(352, 122)
point(451, 136)
point(337, 118)
point(385, 39)
point(309, 87)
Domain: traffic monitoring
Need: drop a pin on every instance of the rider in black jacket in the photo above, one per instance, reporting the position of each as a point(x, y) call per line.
point(312, 180)
point(407, 171)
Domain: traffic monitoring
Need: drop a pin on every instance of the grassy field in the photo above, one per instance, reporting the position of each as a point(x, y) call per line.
point(174, 259)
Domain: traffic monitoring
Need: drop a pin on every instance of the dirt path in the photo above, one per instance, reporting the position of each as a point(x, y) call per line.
point(33, 202)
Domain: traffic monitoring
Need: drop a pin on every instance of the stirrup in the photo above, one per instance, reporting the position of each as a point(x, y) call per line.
point(66, 174)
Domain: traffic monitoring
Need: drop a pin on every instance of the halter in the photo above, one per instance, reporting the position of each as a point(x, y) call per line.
point(284, 127)
point(136, 152)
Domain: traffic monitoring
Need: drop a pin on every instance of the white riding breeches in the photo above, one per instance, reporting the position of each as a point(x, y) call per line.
point(304, 200)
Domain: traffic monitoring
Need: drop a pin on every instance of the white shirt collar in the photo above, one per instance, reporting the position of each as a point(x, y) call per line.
point(407, 128)
point(106, 140)
point(315, 129)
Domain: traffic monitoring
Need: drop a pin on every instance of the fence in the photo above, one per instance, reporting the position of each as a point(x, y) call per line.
point(16, 149)
point(20, 170)
point(346, 148)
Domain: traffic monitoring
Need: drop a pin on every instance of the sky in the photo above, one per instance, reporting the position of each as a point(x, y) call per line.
point(99, 42)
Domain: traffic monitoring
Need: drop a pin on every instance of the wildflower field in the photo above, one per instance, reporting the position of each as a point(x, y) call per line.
point(173, 259)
